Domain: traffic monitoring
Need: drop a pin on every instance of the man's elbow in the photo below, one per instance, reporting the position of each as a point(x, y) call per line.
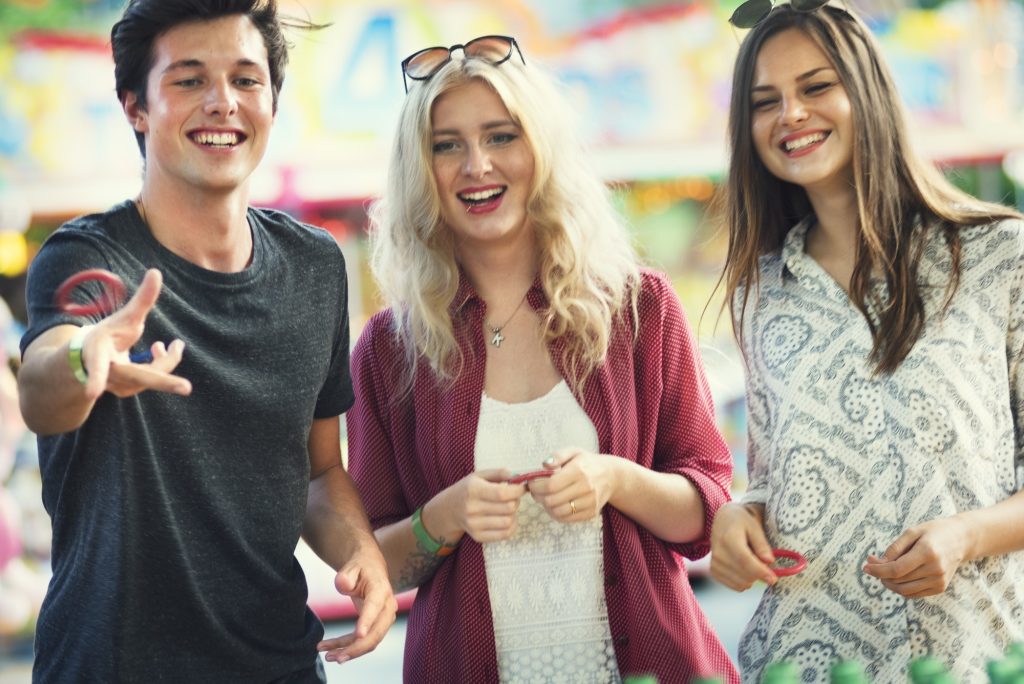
point(45, 420)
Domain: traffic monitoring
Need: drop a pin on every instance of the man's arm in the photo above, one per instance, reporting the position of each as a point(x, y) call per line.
point(337, 529)
point(54, 401)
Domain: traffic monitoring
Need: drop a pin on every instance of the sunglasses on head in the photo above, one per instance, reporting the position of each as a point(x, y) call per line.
point(423, 64)
point(752, 12)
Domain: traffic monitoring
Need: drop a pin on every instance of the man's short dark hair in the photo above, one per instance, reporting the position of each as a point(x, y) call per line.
point(144, 21)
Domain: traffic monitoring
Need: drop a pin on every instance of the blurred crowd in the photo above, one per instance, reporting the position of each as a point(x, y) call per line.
point(24, 526)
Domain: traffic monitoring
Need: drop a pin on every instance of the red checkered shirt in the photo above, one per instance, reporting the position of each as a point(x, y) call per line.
point(649, 402)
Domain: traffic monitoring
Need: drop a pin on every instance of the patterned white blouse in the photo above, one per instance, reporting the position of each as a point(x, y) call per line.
point(845, 461)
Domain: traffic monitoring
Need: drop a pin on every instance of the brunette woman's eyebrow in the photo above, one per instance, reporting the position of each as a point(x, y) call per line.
point(802, 77)
point(813, 72)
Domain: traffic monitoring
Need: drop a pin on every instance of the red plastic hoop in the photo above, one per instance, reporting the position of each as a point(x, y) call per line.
point(799, 563)
point(112, 297)
point(526, 477)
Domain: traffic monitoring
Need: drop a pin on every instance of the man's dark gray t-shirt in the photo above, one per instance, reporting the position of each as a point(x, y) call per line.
point(175, 519)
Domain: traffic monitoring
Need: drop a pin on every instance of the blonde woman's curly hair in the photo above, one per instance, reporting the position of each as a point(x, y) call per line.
point(588, 267)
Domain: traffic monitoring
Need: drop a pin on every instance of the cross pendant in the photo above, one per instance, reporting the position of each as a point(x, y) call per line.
point(498, 337)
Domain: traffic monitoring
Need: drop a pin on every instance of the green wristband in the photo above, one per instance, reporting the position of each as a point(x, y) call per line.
point(429, 543)
point(75, 354)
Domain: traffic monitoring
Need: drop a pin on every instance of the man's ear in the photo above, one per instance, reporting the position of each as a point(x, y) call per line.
point(135, 113)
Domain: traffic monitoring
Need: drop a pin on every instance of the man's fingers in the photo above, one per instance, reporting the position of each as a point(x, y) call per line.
point(134, 312)
point(97, 366)
point(336, 642)
point(376, 613)
point(349, 646)
point(134, 378)
point(347, 580)
point(167, 359)
point(377, 609)
point(334, 649)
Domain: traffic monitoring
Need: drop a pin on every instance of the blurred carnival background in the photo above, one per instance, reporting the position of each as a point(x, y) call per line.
point(651, 83)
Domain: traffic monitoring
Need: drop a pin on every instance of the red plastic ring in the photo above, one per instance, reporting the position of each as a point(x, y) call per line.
point(112, 297)
point(527, 477)
point(799, 563)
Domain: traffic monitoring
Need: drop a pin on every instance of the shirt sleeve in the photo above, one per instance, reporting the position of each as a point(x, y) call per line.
point(757, 416)
point(757, 463)
point(60, 257)
point(1015, 350)
point(372, 452)
point(688, 440)
point(336, 395)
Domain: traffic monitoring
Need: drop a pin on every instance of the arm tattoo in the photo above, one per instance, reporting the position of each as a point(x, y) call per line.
point(420, 565)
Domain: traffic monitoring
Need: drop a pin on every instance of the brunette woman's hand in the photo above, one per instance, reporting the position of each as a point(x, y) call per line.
point(922, 560)
point(482, 505)
point(580, 485)
point(740, 552)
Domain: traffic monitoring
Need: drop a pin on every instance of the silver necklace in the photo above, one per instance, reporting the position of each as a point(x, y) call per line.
point(497, 338)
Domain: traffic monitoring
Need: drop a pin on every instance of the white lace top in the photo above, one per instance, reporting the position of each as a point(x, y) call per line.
point(546, 583)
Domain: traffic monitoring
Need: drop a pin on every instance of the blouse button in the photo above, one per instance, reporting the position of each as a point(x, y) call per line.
point(611, 580)
point(622, 640)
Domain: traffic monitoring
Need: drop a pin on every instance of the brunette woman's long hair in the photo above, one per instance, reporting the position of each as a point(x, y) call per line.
point(895, 190)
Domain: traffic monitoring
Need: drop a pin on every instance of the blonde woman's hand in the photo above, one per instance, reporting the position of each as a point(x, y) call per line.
point(482, 505)
point(922, 561)
point(740, 552)
point(580, 485)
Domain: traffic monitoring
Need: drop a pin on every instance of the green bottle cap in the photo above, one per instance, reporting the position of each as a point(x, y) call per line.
point(847, 672)
point(1001, 671)
point(640, 679)
point(923, 669)
point(1015, 655)
point(780, 673)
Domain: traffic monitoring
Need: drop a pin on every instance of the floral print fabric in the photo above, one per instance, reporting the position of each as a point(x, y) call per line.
point(845, 460)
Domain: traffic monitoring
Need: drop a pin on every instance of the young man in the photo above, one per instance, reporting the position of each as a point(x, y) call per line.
point(179, 487)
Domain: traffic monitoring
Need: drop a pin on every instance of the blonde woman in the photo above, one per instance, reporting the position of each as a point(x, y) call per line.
point(521, 336)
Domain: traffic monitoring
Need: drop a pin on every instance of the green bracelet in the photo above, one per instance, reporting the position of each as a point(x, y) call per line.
point(429, 543)
point(75, 354)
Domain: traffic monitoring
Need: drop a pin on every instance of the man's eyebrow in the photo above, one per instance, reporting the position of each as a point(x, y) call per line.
point(196, 63)
point(183, 64)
